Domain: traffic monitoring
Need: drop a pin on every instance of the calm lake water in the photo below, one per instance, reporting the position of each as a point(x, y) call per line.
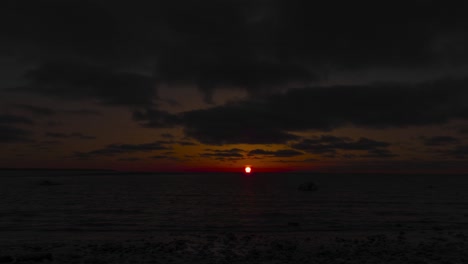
point(70, 204)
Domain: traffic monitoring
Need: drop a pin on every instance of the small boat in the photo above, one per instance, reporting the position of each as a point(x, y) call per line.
point(308, 187)
point(48, 183)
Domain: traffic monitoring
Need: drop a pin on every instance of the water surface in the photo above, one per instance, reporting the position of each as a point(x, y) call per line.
point(76, 204)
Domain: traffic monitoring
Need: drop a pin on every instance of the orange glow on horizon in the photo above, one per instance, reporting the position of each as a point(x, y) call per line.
point(248, 169)
point(200, 168)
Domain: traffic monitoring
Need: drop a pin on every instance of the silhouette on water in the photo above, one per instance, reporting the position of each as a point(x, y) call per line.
point(308, 187)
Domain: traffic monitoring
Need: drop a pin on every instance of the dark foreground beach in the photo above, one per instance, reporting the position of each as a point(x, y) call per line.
point(436, 246)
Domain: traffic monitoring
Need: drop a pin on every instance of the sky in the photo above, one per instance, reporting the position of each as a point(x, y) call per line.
point(215, 85)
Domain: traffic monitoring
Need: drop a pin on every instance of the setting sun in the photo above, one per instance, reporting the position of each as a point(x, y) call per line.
point(248, 169)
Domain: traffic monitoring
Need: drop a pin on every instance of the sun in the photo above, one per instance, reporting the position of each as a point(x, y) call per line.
point(248, 169)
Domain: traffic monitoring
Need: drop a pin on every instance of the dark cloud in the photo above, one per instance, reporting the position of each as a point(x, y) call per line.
point(234, 134)
point(253, 45)
point(220, 153)
point(164, 157)
point(14, 119)
point(118, 53)
point(50, 142)
point(170, 102)
point(9, 134)
point(46, 144)
point(55, 27)
point(81, 136)
point(116, 149)
point(180, 142)
point(463, 131)
point(271, 119)
point(40, 111)
point(330, 145)
point(160, 157)
point(77, 81)
point(235, 124)
point(232, 150)
point(283, 153)
point(186, 143)
point(70, 135)
point(56, 135)
point(154, 118)
point(130, 159)
point(35, 110)
point(254, 76)
point(349, 156)
point(54, 123)
point(379, 153)
point(167, 135)
point(440, 141)
point(459, 152)
point(267, 43)
point(82, 112)
point(298, 161)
